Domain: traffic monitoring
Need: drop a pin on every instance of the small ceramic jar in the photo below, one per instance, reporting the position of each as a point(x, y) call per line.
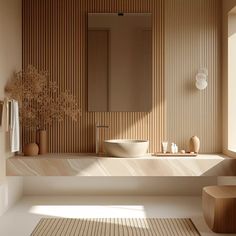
point(194, 144)
point(31, 149)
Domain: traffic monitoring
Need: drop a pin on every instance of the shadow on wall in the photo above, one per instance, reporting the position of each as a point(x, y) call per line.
point(3, 198)
point(10, 192)
point(100, 186)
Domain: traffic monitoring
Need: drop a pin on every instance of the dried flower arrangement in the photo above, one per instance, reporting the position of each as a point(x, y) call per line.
point(41, 102)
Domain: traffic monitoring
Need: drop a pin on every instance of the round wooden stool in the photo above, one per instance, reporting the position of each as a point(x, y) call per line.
point(219, 208)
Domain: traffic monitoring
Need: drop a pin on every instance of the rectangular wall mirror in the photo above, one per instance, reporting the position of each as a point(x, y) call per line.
point(120, 62)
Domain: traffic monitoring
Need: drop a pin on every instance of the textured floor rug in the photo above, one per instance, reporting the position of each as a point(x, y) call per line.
point(115, 227)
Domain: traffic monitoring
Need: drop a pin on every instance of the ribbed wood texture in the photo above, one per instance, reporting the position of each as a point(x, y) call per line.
point(192, 41)
point(112, 227)
point(54, 39)
point(186, 36)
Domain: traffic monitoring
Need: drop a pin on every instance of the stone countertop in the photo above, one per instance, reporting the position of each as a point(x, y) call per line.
point(88, 164)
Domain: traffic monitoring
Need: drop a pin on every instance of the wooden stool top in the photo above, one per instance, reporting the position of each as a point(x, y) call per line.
point(228, 191)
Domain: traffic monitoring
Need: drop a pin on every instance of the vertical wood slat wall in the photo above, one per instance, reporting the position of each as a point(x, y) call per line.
point(54, 39)
point(185, 37)
point(195, 26)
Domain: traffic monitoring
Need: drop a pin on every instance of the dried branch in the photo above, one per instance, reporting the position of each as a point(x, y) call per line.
point(41, 102)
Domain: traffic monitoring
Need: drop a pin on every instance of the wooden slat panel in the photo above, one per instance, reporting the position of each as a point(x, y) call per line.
point(55, 40)
point(185, 36)
point(192, 41)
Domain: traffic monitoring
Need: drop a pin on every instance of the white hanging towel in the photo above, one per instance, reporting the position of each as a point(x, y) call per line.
point(15, 127)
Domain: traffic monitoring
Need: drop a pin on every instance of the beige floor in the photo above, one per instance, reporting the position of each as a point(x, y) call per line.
point(23, 217)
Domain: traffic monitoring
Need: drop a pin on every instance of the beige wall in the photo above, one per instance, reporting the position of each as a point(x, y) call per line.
point(231, 82)
point(175, 186)
point(186, 36)
point(226, 180)
point(10, 60)
point(228, 5)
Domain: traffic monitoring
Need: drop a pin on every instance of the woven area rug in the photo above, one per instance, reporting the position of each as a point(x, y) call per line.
point(115, 227)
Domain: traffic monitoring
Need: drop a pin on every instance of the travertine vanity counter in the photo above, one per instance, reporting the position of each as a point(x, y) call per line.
point(92, 165)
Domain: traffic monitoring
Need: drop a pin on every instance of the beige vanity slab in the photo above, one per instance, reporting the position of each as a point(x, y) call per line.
point(91, 165)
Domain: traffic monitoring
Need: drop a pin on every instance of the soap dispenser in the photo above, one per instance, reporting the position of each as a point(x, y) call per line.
point(172, 148)
point(176, 149)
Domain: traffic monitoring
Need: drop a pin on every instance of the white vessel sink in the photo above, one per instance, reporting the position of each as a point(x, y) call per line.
point(126, 147)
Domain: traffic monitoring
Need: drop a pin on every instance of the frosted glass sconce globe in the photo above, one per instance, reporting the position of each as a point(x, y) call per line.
point(201, 79)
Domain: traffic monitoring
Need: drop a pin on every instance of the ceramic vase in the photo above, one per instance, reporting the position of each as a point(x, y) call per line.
point(42, 142)
point(31, 149)
point(194, 144)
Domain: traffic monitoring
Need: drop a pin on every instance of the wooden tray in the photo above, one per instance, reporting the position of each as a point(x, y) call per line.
point(168, 154)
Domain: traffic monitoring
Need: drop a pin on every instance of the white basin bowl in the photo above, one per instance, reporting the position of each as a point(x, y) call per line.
point(126, 147)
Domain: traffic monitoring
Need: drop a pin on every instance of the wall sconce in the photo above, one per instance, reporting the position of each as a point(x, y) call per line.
point(201, 79)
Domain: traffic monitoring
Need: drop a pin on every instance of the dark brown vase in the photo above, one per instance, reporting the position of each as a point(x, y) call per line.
point(42, 141)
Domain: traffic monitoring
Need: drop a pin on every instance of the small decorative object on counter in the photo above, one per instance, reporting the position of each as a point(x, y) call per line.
point(182, 152)
point(164, 146)
point(174, 148)
point(194, 144)
point(31, 149)
point(41, 138)
point(169, 154)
